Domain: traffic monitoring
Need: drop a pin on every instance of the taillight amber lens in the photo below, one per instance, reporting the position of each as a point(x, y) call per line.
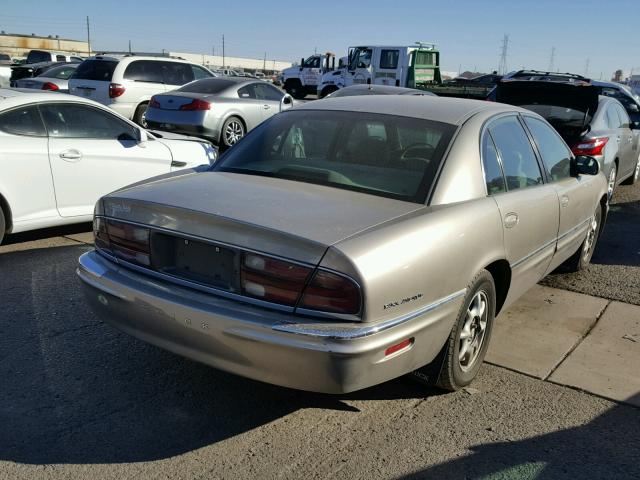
point(330, 292)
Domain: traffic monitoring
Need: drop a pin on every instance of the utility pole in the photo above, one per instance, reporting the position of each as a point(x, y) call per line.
point(223, 57)
point(88, 36)
point(502, 67)
point(586, 68)
point(264, 62)
point(213, 51)
point(552, 59)
point(129, 46)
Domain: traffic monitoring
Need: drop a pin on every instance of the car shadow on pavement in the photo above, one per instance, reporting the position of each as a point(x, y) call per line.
point(75, 390)
point(553, 455)
point(47, 233)
point(619, 243)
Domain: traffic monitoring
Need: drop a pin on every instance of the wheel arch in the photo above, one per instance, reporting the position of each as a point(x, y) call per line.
point(500, 270)
point(6, 210)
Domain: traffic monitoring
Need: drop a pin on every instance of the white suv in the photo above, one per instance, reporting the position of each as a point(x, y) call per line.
point(125, 83)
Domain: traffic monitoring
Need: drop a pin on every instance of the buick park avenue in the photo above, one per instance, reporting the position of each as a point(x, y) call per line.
point(348, 241)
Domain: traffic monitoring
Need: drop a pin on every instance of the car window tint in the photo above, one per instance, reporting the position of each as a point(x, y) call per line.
point(267, 92)
point(81, 121)
point(37, 56)
point(492, 171)
point(348, 150)
point(22, 121)
point(61, 58)
point(389, 58)
point(63, 72)
point(199, 72)
point(176, 73)
point(613, 120)
point(248, 91)
point(100, 70)
point(144, 71)
point(555, 154)
point(622, 115)
point(521, 168)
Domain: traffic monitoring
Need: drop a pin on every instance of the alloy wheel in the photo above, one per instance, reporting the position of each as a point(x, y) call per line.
point(612, 181)
point(591, 239)
point(233, 132)
point(473, 331)
point(637, 172)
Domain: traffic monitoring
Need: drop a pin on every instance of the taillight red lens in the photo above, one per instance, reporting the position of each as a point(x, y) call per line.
point(197, 104)
point(115, 90)
point(126, 241)
point(50, 86)
point(272, 280)
point(154, 103)
point(330, 292)
point(590, 146)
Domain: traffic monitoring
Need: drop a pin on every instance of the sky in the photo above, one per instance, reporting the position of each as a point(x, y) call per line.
point(469, 34)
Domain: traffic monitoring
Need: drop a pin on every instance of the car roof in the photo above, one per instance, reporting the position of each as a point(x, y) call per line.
point(386, 89)
point(117, 57)
point(454, 111)
point(14, 97)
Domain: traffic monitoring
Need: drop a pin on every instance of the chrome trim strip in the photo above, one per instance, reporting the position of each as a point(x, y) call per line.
point(351, 333)
point(577, 227)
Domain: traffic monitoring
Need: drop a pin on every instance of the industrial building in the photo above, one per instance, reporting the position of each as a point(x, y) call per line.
point(18, 45)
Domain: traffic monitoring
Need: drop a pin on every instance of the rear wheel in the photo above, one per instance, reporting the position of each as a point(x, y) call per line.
point(612, 181)
point(581, 259)
point(140, 117)
point(636, 174)
point(3, 225)
point(232, 131)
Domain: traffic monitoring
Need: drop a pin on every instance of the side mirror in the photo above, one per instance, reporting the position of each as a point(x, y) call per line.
point(143, 136)
point(286, 100)
point(632, 107)
point(584, 165)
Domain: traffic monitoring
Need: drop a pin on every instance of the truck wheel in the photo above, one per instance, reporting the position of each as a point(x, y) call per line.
point(328, 90)
point(295, 89)
point(580, 260)
point(140, 115)
point(3, 225)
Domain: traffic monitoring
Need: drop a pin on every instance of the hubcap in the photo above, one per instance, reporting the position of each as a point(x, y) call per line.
point(233, 133)
point(473, 331)
point(612, 182)
point(591, 238)
point(637, 173)
point(143, 119)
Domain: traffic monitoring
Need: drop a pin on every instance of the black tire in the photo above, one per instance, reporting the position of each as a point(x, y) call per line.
point(232, 132)
point(582, 257)
point(139, 115)
point(295, 89)
point(635, 176)
point(327, 91)
point(453, 375)
point(3, 226)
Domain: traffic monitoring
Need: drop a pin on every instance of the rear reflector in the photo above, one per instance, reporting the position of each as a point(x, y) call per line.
point(196, 104)
point(123, 240)
point(50, 86)
point(330, 292)
point(272, 280)
point(590, 146)
point(115, 90)
point(399, 346)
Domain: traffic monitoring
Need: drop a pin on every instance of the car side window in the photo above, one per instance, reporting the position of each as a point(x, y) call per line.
point(23, 121)
point(144, 71)
point(81, 121)
point(519, 162)
point(624, 118)
point(174, 73)
point(613, 121)
point(555, 154)
point(267, 92)
point(248, 91)
point(199, 72)
point(492, 170)
point(389, 59)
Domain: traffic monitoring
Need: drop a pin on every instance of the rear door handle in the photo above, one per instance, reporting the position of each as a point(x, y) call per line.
point(510, 220)
point(266, 107)
point(564, 201)
point(177, 163)
point(71, 155)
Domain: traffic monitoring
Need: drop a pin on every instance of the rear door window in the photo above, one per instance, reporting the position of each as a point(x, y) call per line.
point(520, 165)
point(613, 120)
point(22, 121)
point(148, 71)
point(175, 73)
point(199, 72)
point(100, 70)
point(64, 120)
point(555, 154)
point(622, 115)
point(493, 175)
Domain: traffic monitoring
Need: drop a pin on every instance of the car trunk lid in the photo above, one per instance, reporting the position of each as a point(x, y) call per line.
point(175, 100)
point(285, 218)
point(92, 79)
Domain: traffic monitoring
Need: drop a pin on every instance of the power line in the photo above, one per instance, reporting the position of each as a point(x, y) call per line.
point(586, 68)
point(552, 59)
point(502, 66)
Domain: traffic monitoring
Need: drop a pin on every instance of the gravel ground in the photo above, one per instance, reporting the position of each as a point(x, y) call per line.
point(614, 272)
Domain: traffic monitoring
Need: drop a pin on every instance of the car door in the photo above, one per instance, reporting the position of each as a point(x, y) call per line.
point(93, 152)
point(574, 193)
point(25, 181)
point(270, 98)
point(628, 153)
point(250, 106)
point(528, 205)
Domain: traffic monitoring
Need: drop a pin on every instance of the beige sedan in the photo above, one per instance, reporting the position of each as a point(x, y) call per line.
point(348, 241)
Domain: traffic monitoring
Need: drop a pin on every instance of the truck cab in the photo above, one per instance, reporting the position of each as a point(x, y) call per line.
point(400, 66)
point(302, 80)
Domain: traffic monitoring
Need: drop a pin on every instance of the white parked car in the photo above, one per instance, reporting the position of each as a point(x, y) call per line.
point(60, 153)
point(125, 83)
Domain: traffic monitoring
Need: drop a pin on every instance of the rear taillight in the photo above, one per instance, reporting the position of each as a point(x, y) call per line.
point(115, 90)
point(196, 104)
point(122, 240)
point(50, 86)
point(330, 292)
point(590, 146)
point(154, 103)
point(272, 280)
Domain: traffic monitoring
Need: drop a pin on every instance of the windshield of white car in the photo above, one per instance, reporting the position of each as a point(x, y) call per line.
point(385, 155)
point(209, 86)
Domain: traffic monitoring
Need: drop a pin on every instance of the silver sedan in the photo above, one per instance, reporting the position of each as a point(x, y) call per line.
point(348, 241)
point(220, 109)
point(55, 79)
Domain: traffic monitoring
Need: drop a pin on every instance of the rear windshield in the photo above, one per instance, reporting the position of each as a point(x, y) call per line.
point(95, 70)
point(570, 123)
point(62, 72)
point(37, 56)
point(207, 85)
point(385, 155)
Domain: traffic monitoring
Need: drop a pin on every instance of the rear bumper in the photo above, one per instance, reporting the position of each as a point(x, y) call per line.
point(265, 345)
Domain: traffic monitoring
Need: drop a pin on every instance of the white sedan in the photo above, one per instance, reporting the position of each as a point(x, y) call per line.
point(60, 153)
